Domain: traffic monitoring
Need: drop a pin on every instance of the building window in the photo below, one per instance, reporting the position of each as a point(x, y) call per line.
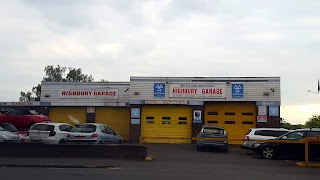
point(213, 113)
point(212, 122)
point(150, 120)
point(247, 122)
point(166, 120)
point(247, 114)
point(230, 113)
point(230, 122)
point(182, 120)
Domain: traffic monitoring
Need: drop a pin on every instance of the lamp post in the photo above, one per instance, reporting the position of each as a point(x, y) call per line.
point(318, 89)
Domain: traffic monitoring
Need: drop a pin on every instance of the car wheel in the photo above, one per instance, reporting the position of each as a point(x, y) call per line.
point(100, 142)
point(268, 152)
point(62, 141)
point(120, 142)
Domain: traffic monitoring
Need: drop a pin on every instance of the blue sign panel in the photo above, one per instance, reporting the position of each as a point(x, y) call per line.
point(135, 101)
point(195, 103)
point(135, 112)
point(237, 90)
point(273, 110)
point(197, 121)
point(159, 90)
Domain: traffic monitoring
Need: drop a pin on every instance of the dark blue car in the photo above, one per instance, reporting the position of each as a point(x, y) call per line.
point(212, 132)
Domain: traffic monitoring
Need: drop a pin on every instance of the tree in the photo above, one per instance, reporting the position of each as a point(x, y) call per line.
point(313, 122)
point(286, 125)
point(37, 91)
point(103, 80)
point(25, 97)
point(56, 74)
point(75, 75)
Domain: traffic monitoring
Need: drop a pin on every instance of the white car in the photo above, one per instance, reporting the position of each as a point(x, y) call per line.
point(94, 133)
point(6, 136)
point(255, 134)
point(49, 133)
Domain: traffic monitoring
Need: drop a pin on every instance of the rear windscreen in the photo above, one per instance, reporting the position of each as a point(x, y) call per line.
point(9, 127)
point(213, 131)
point(84, 129)
point(43, 127)
point(273, 133)
point(249, 131)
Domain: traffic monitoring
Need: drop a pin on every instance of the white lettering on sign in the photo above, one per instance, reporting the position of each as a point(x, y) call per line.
point(81, 94)
point(262, 110)
point(198, 90)
point(165, 102)
point(31, 103)
point(262, 119)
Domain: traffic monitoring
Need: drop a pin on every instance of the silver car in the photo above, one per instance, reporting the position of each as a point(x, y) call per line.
point(6, 136)
point(93, 133)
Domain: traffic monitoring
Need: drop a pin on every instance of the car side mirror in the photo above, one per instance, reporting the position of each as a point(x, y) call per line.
point(284, 137)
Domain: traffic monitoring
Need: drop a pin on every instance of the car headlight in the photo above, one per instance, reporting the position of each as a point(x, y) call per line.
point(5, 137)
point(256, 145)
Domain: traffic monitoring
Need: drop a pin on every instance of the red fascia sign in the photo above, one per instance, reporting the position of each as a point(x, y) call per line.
point(198, 90)
point(83, 93)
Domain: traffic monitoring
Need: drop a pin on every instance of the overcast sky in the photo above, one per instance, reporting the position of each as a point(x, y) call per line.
point(116, 39)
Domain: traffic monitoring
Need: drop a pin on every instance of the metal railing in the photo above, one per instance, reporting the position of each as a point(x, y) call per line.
point(305, 141)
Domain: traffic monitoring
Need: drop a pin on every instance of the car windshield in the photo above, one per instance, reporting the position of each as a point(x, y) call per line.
point(42, 127)
point(84, 128)
point(9, 127)
point(213, 130)
point(33, 112)
point(1, 129)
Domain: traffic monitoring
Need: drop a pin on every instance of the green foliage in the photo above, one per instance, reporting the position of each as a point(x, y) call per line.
point(56, 74)
point(25, 97)
point(37, 91)
point(286, 125)
point(75, 75)
point(313, 122)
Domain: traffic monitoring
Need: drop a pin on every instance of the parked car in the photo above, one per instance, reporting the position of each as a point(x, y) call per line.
point(6, 136)
point(49, 133)
point(212, 132)
point(270, 150)
point(11, 128)
point(23, 118)
point(261, 134)
point(94, 133)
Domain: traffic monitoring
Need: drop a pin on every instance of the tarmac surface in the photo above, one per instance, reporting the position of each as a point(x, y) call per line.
point(170, 162)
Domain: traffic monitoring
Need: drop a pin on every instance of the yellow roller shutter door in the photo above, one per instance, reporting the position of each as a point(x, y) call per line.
point(166, 124)
point(118, 118)
point(236, 118)
point(68, 114)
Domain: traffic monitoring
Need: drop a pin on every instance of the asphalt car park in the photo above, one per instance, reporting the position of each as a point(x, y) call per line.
point(171, 161)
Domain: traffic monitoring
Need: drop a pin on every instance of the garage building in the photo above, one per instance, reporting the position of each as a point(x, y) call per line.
point(173, 109)
point(81, 102)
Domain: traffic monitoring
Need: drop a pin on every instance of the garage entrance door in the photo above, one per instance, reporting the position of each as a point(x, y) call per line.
point(236, 118)
point(118, 118)
point(71, 115)
point(168, 121)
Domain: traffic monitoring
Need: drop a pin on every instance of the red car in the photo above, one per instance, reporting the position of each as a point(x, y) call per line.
point(23, 118)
